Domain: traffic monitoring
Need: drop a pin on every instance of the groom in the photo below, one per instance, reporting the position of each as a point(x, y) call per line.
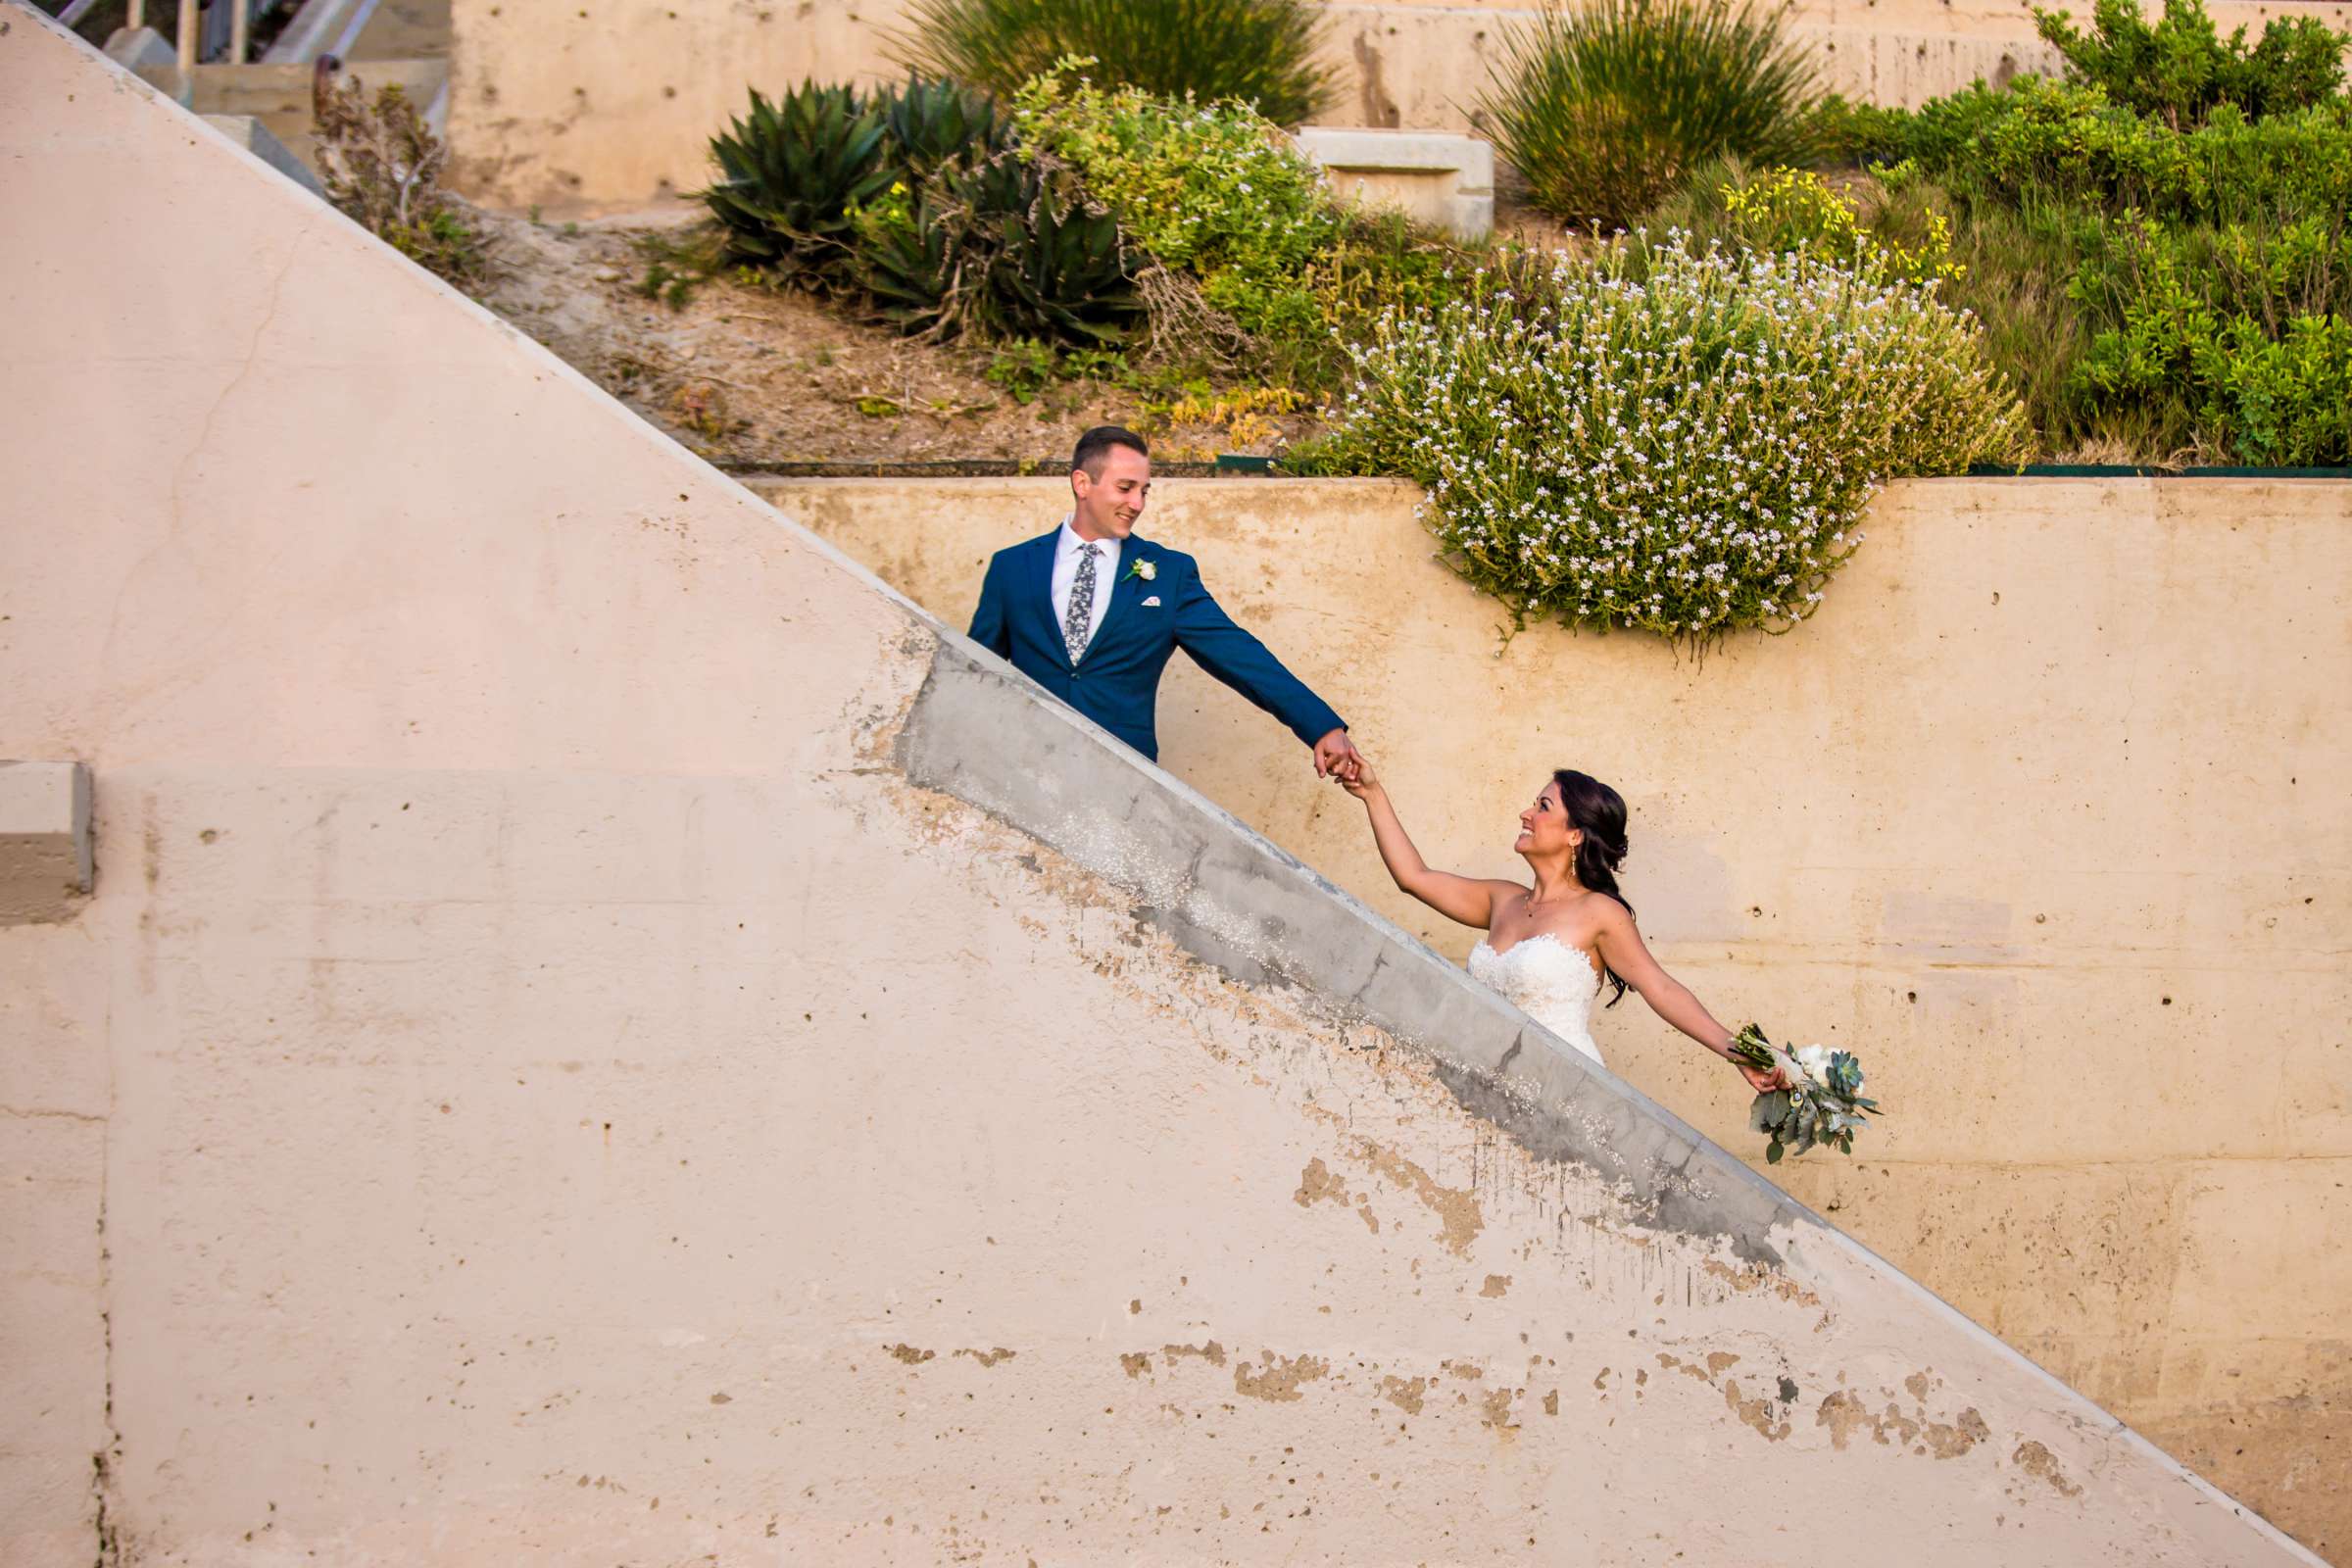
point(1091, 613)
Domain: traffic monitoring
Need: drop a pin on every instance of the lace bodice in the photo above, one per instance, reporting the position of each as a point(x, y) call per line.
point(1546, 979)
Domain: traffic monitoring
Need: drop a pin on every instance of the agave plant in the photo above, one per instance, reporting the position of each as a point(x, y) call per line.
point(999, 250)
point(931, 124)
point(790, 175)
point(916, 269)
point(1605, 109)
point(1060, 272)
point(1257, 51)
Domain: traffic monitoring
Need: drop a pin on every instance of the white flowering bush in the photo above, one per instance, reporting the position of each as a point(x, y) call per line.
point(1652, 436)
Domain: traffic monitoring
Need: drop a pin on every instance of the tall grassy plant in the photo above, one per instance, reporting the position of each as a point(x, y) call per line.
point(1605, 108)
point(1665, 438)
point(1252, 51)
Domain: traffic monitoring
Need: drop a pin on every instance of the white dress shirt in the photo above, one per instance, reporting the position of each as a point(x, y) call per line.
point(1065, 576)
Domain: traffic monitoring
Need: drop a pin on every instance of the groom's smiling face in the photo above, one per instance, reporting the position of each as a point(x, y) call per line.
point(1110, 502)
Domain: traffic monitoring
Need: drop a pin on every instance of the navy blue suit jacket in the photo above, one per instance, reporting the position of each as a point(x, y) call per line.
point(1116, 681)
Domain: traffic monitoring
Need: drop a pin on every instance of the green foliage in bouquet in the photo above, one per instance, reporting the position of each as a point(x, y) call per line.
point(1821, 1104)
point(1664, 437)
point(1259, 52)
point(1604, 108)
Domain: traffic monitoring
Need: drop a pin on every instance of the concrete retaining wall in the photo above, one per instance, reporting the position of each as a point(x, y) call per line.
point(560, 1063)
point(615, 105)
point(2038, 815)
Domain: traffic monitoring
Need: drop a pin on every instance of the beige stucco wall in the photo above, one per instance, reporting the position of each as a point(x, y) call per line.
point(2044, 814)
point(615, 103)
point(534, 1080)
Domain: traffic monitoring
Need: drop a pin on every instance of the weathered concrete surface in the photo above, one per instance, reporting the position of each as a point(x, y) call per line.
point(618, 106)
point(557, 1089)
point(2053, 767)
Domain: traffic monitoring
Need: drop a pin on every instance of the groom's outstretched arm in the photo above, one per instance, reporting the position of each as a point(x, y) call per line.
point(1239, 659)
point(988, 628)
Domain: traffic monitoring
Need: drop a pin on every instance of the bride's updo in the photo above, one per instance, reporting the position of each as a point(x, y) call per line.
point(1600, 811)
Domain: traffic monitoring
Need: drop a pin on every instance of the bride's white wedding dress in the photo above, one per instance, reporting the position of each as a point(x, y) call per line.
point(1546, 979)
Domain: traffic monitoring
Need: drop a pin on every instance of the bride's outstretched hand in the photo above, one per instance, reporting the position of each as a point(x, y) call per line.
point(1762, 1082)
point(1358, 781)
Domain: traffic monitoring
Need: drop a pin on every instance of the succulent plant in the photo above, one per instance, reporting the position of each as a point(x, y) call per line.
point(790, 175)
point(1060, 272)
point(998, 249)
point(932, 124)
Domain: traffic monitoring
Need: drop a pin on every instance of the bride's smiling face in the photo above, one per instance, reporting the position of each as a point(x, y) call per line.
point(1545, 829)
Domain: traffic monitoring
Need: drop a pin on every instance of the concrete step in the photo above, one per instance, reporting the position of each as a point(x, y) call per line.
point(365, 29)
point(278, 95)
point(268, 143)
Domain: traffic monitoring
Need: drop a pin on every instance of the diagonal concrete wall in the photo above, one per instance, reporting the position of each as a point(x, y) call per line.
point(590, 1040)
point(2036, 809)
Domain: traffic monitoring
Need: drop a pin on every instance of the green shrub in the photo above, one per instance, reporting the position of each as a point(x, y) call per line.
point(2205, 270)
point(2069, 141)
point(1605, 109)
point(1214, 190)
point(2180, 69)
point(1666, 438)
point(790, 175)
point(1244, 51)
point(1856, 134)
point(2224, 338)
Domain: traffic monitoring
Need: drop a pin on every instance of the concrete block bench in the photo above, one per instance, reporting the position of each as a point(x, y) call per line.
point(1438, 176)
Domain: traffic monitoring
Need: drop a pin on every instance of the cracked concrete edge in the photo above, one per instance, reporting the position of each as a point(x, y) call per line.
point(984, 734)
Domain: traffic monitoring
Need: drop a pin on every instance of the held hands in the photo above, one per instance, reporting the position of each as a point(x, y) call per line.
point(1335, 757)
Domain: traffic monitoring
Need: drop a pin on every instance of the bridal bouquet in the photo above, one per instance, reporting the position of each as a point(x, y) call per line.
point(1823, 1104)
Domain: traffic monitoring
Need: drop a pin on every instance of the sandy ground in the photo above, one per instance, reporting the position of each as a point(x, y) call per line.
point(746, 374)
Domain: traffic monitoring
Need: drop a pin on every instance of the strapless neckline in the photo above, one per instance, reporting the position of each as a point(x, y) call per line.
point(1548, 980)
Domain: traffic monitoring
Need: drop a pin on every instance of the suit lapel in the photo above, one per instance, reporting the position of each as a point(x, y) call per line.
point(1041, 581)
point(1125, 591)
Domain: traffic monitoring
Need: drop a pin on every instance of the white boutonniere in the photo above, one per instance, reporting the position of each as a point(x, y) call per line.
point(1149, 571)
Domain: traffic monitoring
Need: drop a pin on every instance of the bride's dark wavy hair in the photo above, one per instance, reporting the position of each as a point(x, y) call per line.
point(1600, 811)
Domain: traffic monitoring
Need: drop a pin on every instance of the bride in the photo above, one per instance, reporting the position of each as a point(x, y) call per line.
point(1567, 937)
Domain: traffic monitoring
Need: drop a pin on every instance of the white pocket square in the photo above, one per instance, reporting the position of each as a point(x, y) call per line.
point(1152, 603)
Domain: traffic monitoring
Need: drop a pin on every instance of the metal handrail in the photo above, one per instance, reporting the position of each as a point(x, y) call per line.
point(240, 30)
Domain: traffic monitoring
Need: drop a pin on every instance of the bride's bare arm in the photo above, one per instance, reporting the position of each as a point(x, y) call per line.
point(1466, 899)
point(1623, 951)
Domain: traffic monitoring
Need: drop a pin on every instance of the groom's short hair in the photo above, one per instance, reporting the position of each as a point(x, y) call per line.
point(1096, 445)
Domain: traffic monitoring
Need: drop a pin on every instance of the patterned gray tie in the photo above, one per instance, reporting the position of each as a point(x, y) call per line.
point(1079, 623)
